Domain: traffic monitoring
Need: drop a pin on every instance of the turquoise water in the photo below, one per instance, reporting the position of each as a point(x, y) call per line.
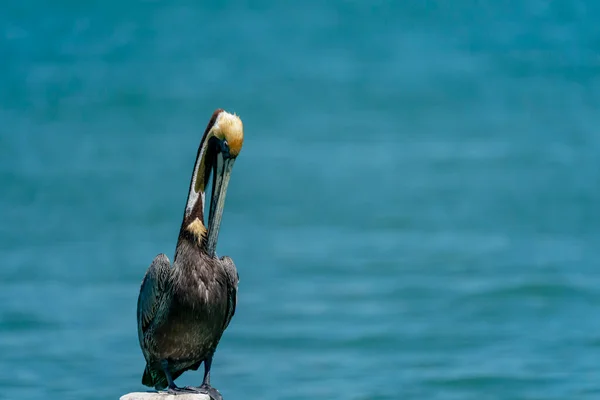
point(415, 213)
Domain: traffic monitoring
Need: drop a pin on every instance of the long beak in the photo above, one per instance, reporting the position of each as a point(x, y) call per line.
point(221, 173)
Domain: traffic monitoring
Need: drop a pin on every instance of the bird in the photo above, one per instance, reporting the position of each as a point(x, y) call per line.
point(183, 308)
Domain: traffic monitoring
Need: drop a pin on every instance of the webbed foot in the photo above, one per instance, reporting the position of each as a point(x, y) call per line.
point(206, 389)
point(175, 390)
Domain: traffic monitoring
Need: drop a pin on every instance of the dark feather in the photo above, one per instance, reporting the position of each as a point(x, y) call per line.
point(184, 310)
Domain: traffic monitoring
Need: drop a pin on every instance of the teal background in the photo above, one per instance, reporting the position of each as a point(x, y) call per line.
point(414, 215)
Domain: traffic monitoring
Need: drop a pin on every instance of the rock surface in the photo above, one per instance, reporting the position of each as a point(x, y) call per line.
point(164, 396)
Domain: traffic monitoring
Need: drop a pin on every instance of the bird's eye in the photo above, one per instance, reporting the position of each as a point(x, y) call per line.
point(225, 147)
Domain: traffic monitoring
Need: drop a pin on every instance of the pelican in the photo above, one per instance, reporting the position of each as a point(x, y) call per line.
point(183, 309)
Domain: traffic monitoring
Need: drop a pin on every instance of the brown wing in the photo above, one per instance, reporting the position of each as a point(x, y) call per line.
point(152, 293)
point(232, 288)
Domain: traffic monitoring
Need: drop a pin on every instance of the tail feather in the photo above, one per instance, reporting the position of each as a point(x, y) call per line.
point(153, 378)
point(158, 379)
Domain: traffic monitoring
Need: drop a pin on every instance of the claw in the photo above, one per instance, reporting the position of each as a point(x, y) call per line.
point(205, 389)
point(178, 390)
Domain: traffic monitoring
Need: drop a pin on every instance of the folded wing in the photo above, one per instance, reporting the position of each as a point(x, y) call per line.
point(152, 294)
point(232, 288)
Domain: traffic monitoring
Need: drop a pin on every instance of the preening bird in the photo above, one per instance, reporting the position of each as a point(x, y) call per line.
point(184, 308)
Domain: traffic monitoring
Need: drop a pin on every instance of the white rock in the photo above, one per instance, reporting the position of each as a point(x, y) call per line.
point(164, 396)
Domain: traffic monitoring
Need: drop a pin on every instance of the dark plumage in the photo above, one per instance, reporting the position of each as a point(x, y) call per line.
point(184, 309)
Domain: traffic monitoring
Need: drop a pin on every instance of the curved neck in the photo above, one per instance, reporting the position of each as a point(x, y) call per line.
point(194, 208)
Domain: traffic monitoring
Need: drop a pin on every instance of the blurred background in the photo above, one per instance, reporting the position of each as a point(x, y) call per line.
point(414, 215)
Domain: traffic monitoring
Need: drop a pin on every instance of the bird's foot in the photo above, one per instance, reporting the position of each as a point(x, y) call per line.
point(206, 389)
point(175, 390)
